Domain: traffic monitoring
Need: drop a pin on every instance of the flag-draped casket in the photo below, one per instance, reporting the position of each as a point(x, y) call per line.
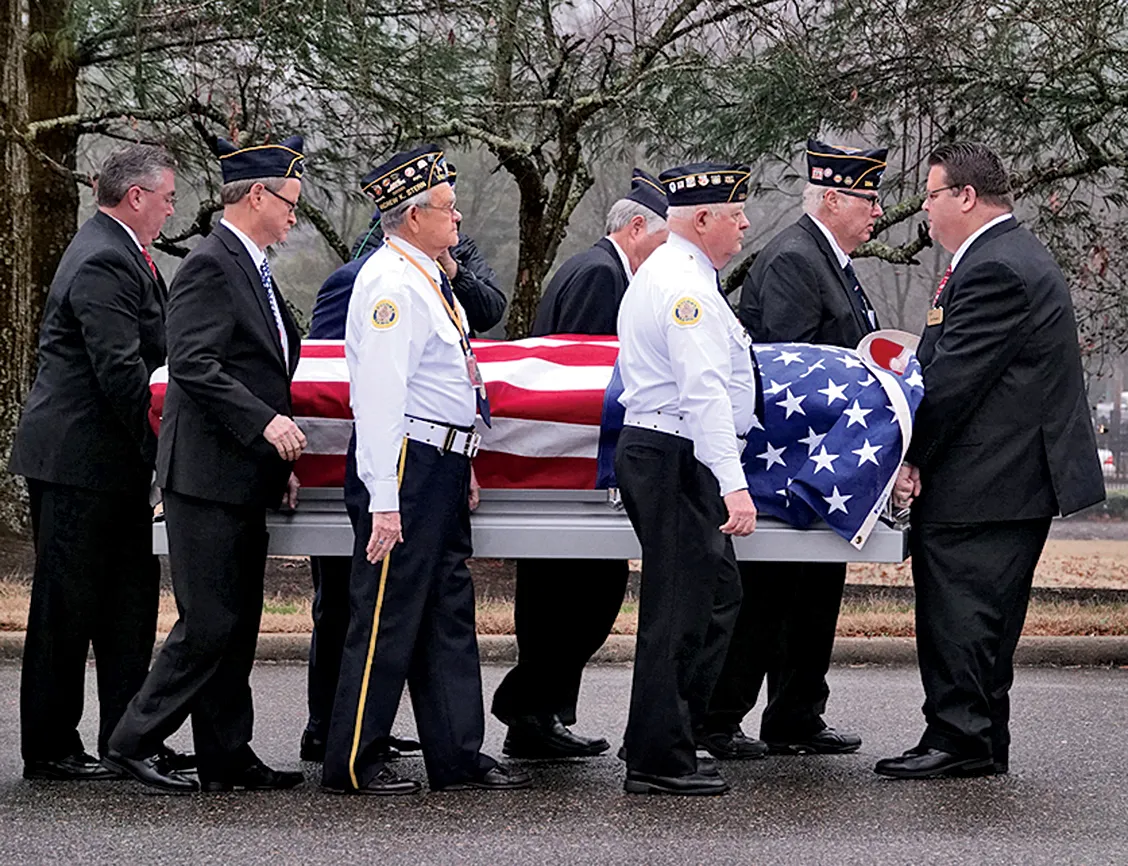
point(834, 426)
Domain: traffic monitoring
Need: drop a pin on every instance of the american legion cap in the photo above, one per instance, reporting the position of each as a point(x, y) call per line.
point(647, 191)
point(844, 167)
point(406, 174)
point(705, 183)
point(284, 159)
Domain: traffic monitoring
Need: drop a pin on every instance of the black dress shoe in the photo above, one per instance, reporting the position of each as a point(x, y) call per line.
point(733, 746)
point(499, 778)
point(312, 749)
point(933, 764)
point(175, 762)
point(401, 746)
point(696, 784)
point(386, 783)
point(150, 771)
point(828, 741)
point(254, 777)
point(79, 767)
point(547, 737)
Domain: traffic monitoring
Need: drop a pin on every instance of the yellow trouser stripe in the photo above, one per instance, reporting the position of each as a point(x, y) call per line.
point(372, 640)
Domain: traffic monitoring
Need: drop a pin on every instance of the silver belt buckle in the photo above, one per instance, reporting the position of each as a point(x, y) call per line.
point(473, 443)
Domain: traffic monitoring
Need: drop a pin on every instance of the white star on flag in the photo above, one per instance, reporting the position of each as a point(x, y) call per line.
point(857, 415)
point(772, 455)
point(791, 403)
point(818, 365)
point(785, 490)
point(756, 425)
point(915, 380)
point(789, 358)
point(867, 453)
point(892, 411)
point(850, 362)
point(869, 380)
point(824, 461)
point(837, 501)
point(812, 440)
point(834, 392)
point(774, 388)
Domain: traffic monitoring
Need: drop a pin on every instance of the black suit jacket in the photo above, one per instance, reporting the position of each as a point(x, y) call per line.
point(796, 291)
point(227, 379)
point(1003, 431)
point(85, 422)
point(584, 294)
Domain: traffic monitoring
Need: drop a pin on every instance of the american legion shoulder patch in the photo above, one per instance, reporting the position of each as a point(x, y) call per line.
point(686, 312)
point(385, 314)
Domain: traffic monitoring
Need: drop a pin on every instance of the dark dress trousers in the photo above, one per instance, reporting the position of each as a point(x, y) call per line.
point(475, 286)
point(1004, 442)
point(795, 291)
point(86, 448)
point(227, 379)
point(565, 608)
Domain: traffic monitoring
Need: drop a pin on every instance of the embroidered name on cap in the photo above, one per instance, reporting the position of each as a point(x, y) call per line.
point(686, 312)
point(385, 315)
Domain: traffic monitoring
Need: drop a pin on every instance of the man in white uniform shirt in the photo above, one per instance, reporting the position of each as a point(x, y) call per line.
point(415, 389)
point(689, 393)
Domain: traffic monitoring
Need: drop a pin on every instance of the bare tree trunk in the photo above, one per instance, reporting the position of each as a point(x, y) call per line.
point(38, 204)
point(17, 325)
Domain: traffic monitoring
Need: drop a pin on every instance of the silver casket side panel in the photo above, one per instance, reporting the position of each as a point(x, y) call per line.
point(560, 524)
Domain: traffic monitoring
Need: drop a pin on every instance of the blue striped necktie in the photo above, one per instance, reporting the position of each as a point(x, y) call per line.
point(268, 284)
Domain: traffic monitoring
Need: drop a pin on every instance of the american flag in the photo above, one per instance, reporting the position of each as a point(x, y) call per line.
point(555, 421)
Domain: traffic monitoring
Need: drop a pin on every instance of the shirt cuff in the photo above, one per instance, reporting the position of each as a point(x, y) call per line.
point(383, 496)
point(730, 475)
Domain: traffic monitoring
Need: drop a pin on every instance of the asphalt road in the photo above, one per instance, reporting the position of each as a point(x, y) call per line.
point(1065, 802)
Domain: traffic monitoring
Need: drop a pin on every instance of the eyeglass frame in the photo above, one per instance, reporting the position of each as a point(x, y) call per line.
point(293, 205)
point(872, 197)
point(450, 208)
point(169, 197)
point(930, 194)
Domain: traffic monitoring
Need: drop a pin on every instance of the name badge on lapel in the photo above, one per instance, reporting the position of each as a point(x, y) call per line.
point(935, 316)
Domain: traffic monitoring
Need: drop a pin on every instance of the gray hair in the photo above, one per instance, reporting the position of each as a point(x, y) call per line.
point(624, 210)
point(813, 198)
point(234, 191)
point(133, 165)
point(395, 217)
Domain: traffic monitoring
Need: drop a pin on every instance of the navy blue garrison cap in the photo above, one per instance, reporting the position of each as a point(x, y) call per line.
point(705, 183)
point(844, 167)
point(284, 159)
point(406, 174)
point(648, 192)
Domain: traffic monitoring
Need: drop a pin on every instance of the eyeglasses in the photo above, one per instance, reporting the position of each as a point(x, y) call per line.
point(292, 205)
point(872, 197)
point(449, 208)
point(169, 197)
point(930, 194)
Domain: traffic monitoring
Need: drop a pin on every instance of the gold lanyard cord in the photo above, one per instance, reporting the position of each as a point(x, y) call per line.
point(452, 312)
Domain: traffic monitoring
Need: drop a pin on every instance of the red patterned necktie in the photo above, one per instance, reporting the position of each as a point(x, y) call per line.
point(152, 265)
point(940, 288)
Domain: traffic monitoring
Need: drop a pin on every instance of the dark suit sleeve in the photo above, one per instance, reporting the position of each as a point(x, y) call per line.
point(589, 304)
point(790, 306)
point(200, 323)
point(476, 287)
point(105, 297)
point(986, 322)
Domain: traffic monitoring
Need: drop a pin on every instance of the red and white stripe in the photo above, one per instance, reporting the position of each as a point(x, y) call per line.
point(546, 400)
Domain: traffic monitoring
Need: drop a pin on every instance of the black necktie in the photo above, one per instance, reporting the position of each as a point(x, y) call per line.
point(860, 299)
point(483, 399)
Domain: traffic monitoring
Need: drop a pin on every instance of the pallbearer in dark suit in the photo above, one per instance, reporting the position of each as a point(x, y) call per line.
point(227, 444)
point(689, 391)
point(802, 288)
point(1002, 442)
point(565, 608)
point(85, 446)
point(415, 391)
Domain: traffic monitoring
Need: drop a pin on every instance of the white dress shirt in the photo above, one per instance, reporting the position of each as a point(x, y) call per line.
point(974, 235)
point(839, 253)
point(258, 256)
point(682, 350)
point(405, 357)
point(132, 234)
point(623, 258)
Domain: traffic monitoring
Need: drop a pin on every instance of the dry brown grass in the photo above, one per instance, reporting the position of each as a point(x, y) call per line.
point(858, 619)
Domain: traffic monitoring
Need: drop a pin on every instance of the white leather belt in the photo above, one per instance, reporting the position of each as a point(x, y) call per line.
point(664, 422)
point(442, 436)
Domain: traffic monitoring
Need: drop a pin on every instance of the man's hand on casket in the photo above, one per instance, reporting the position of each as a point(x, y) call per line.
point(907, 486)
point(286, 436)
point(386, 531)
point(290, 497)
point(742, 514)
